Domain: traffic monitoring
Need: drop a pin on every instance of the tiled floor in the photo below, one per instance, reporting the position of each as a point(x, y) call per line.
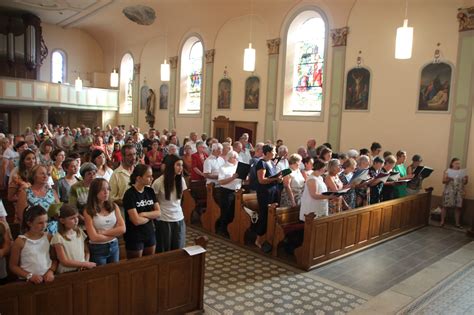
point(374, 270)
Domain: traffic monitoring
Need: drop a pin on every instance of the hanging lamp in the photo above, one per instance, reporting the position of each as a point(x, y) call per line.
point(404, 39)
point(249, 53)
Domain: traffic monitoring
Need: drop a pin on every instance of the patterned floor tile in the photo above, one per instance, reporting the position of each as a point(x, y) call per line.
point(240, 282)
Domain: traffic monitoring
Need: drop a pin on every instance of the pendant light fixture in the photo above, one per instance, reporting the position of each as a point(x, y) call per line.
point(404, 39)
point(114, 77)
point(249, 53)
point(165, 67)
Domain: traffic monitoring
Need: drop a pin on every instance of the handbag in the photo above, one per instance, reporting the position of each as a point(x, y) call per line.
point(252, 214)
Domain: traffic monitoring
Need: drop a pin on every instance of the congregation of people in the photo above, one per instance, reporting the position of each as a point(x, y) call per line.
point(77, 192)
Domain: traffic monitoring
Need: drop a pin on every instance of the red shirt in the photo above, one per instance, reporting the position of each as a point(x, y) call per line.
point(158, 159)
point(199, 164)
point(117, 156)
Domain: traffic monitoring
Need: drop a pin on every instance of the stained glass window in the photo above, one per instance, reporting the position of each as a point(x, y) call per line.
point(303, 73)
point(194, 80)
point(58, 67)
point(307, 94)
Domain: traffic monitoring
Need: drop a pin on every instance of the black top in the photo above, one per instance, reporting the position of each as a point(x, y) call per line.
point(142, 202)
point(270, 171)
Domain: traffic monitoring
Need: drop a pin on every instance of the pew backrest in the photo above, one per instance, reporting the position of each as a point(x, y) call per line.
point(166, 283)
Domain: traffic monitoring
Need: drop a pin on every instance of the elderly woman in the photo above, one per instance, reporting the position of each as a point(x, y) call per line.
point(229, 183)
point(313, 200)
point(346, 176)
point(334, 184)
point(39, 193)
point(363, 162)
point(44, 157)
point(293, 184)
point(198, 159)
point(226, 148)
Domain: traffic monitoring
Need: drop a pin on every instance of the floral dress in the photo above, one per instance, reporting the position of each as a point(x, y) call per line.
point(350, 196)
point(296, 186)
point(47, 200)
point(453, 193)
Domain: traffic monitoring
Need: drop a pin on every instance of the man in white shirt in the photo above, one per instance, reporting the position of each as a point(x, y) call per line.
point(282, 158)
point(193, 138)
point(244, 155)
point(213, 163)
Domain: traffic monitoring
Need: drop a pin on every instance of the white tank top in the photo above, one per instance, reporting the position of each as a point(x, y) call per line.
point(34, 256)
point(104, 223)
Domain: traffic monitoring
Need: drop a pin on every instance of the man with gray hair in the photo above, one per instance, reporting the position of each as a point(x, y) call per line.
point(353, 154)
point(213, 163)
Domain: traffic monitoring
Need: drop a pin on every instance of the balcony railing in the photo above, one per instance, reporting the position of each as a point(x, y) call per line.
point(23, 92)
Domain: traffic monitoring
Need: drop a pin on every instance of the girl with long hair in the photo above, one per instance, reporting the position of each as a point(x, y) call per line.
point(170, 228)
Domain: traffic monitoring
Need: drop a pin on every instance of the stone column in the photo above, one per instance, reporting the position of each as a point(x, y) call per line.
point(464, 88)
point(43, 118)
point(207, 110)
point(172, 100)
point(272, 78)
point(136, 93)
point(339, 42)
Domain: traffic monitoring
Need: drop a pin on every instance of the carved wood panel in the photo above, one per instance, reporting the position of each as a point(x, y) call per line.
point(386, 219)
point(335, 237)
point(364, 223)
point(396, 217)
point(109, 302)
point(351, 231)
point(375, 223)
point(320, 237)
point(143, 281)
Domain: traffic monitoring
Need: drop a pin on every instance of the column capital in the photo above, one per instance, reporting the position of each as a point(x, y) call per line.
point(466, 19)
point(210, 55)
point(339, 36)
point(136, 68)
point(174, 62)
point(273, 46)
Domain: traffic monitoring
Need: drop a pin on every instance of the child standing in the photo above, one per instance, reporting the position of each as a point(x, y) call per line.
point(70, 242)
point(454, 180)
point(30, 255)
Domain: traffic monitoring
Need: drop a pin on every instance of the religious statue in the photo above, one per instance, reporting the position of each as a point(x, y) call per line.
point(150, 108)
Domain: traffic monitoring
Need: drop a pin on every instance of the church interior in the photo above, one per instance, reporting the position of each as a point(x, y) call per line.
point(345, 72)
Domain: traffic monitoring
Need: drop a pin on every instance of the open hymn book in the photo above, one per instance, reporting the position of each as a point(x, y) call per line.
point(456, 173)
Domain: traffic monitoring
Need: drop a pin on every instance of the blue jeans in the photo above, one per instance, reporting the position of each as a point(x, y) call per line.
point(103, 254)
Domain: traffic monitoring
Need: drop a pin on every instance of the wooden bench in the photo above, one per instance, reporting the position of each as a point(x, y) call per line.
point(166, 283)
point(213, 211)
point(334, 236)
point(281, 222)
point(194, 197)
point(242, 221)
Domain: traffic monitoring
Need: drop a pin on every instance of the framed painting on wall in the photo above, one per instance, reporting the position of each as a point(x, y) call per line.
point(164, 96)
point(357, 89)
point(143, 96)
point(435, 86)
point(224, 94)
point(252, 92)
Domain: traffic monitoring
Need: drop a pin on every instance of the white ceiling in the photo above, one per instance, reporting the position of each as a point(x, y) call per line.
point(59, 12)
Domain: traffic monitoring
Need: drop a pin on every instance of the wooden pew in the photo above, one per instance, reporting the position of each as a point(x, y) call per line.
point(166, 283)
point(213, 210)
point(282, 221)
point(193, 197)
point(337, 235)
point(242, 222)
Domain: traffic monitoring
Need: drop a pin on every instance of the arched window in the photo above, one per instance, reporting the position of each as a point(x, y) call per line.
point(58, 66)
point(191, 76)
point(304, 65)
point(126, 84)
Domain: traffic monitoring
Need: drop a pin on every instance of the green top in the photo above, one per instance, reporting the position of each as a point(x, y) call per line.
point(400, 190)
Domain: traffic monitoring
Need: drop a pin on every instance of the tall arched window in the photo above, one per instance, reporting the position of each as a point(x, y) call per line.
point(126, 84)
point(304, 65)
point(58, 66)
point(191, 76)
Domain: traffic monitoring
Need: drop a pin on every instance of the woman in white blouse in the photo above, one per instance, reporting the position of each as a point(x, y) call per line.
point(293, 184)
point(229, 182)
